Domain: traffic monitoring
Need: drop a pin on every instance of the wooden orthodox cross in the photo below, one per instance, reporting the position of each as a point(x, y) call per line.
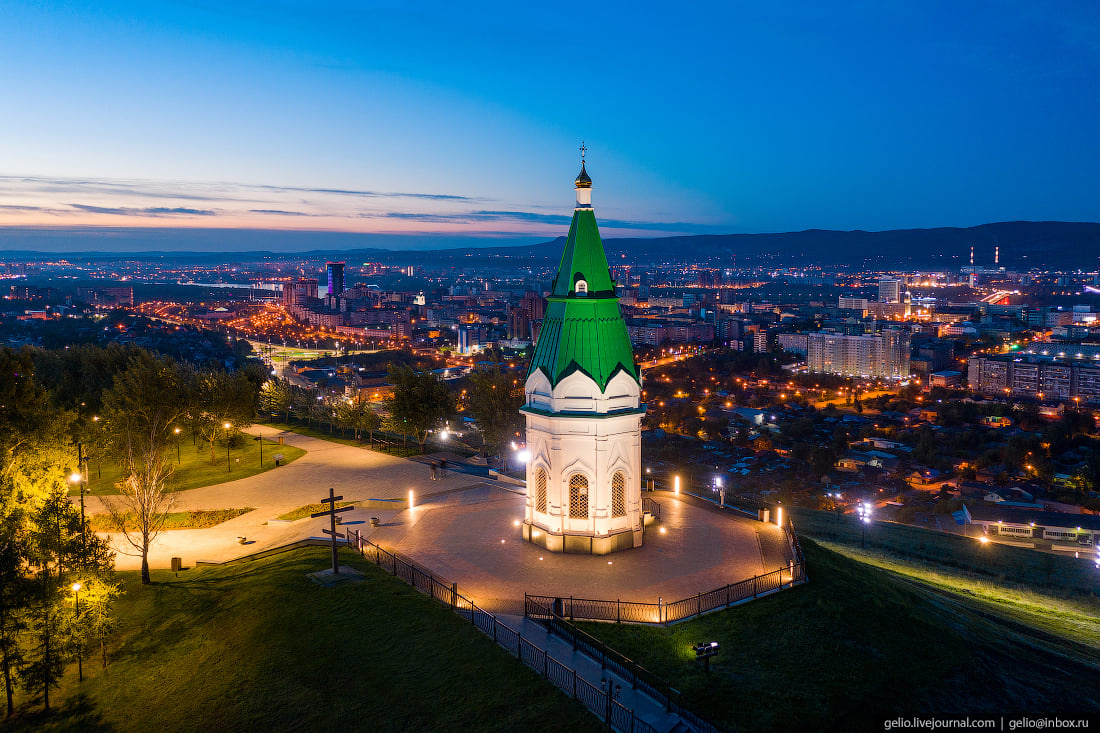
point(331, 512)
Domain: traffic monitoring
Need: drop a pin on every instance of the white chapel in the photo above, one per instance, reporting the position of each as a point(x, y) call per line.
point(583, 406)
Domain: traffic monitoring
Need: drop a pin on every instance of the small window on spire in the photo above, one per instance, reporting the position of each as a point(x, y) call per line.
point(582, 287)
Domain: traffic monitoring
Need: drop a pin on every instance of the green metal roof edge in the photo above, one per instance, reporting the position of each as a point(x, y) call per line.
point(598, 324)
point(640, 410)
point(573, 366)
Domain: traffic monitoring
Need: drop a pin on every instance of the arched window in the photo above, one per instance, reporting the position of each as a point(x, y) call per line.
point(578, 496)
point(540, 491)
point(618, 495)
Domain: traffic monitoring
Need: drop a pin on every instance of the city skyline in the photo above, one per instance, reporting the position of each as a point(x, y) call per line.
point(443, 123)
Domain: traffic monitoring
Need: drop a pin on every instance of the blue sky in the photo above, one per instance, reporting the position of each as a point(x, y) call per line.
point(464, 119)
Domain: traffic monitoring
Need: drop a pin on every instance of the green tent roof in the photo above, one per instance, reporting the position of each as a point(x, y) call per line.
point(583, 332)
point(583, 259)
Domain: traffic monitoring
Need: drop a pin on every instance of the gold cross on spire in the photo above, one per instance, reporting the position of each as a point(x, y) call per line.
point(583, 150)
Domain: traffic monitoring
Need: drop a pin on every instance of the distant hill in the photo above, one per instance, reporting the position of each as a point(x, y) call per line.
point(1024, 244)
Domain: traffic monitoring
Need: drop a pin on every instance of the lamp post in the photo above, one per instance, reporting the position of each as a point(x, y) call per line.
point(81, 479)
point(228, 466)
point(864, 511)
point(79, 654)
point(177, 432)
point(261, 442)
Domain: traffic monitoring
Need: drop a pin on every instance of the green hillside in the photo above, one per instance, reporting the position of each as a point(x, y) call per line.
point(258, 646)
point(861, 643)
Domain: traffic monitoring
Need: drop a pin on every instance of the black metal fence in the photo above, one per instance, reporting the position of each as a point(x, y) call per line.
point(651, 506)
point(662, 612)
point(599, 702)
point(639, 677)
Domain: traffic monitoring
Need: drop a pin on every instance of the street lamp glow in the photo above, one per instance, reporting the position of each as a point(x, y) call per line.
point(676, 484)
point(76, 587)
point(227, 426)
point(74, 477)
point(523, 456)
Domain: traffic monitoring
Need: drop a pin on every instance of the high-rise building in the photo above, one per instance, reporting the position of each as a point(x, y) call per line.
point(882, 355)
point(583, 411)
point(533, 304)
point(889, 290)
point(300, 291)
point(1033, 375)
point(335, 277)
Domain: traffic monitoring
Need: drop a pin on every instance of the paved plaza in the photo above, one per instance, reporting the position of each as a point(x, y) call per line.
point(356, 473)
point(463, 528)
point(472, 538)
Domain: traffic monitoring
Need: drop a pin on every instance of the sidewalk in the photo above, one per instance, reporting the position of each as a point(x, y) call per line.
point(645, 707)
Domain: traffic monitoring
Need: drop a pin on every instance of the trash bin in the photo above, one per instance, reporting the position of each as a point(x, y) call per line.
point(374, 521)
point(177, 564)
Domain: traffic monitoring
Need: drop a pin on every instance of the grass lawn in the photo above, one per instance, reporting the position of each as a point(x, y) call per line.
point(859, 644)
point(175, 520)
point(304, 511)
point(1073, 616)
point(1002, 563)
point(259, 647)
point(194, 468)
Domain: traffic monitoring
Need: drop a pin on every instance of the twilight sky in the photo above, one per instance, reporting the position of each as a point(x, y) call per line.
point(440, 119)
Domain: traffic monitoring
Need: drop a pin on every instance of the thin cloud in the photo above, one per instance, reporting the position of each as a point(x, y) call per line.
point(147, 211)
point(369, 194)
point(206, 191)
point(530, 217)
point(278, 212)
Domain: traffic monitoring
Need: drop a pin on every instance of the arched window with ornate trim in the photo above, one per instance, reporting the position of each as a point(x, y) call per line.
point(578, 496)
point(540, 491)
point(618, 495)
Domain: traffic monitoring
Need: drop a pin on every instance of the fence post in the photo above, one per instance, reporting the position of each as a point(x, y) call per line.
point(454, 595)
point(698, 604)
point(519, 645)
point(754, 586)
point(545, 665)
point(494, 628)
point(574, 684)
point(727, 595)
point(571, 612)
point(618, 613)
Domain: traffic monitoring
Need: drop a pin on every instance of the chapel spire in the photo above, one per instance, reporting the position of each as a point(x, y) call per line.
point(583, 184)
